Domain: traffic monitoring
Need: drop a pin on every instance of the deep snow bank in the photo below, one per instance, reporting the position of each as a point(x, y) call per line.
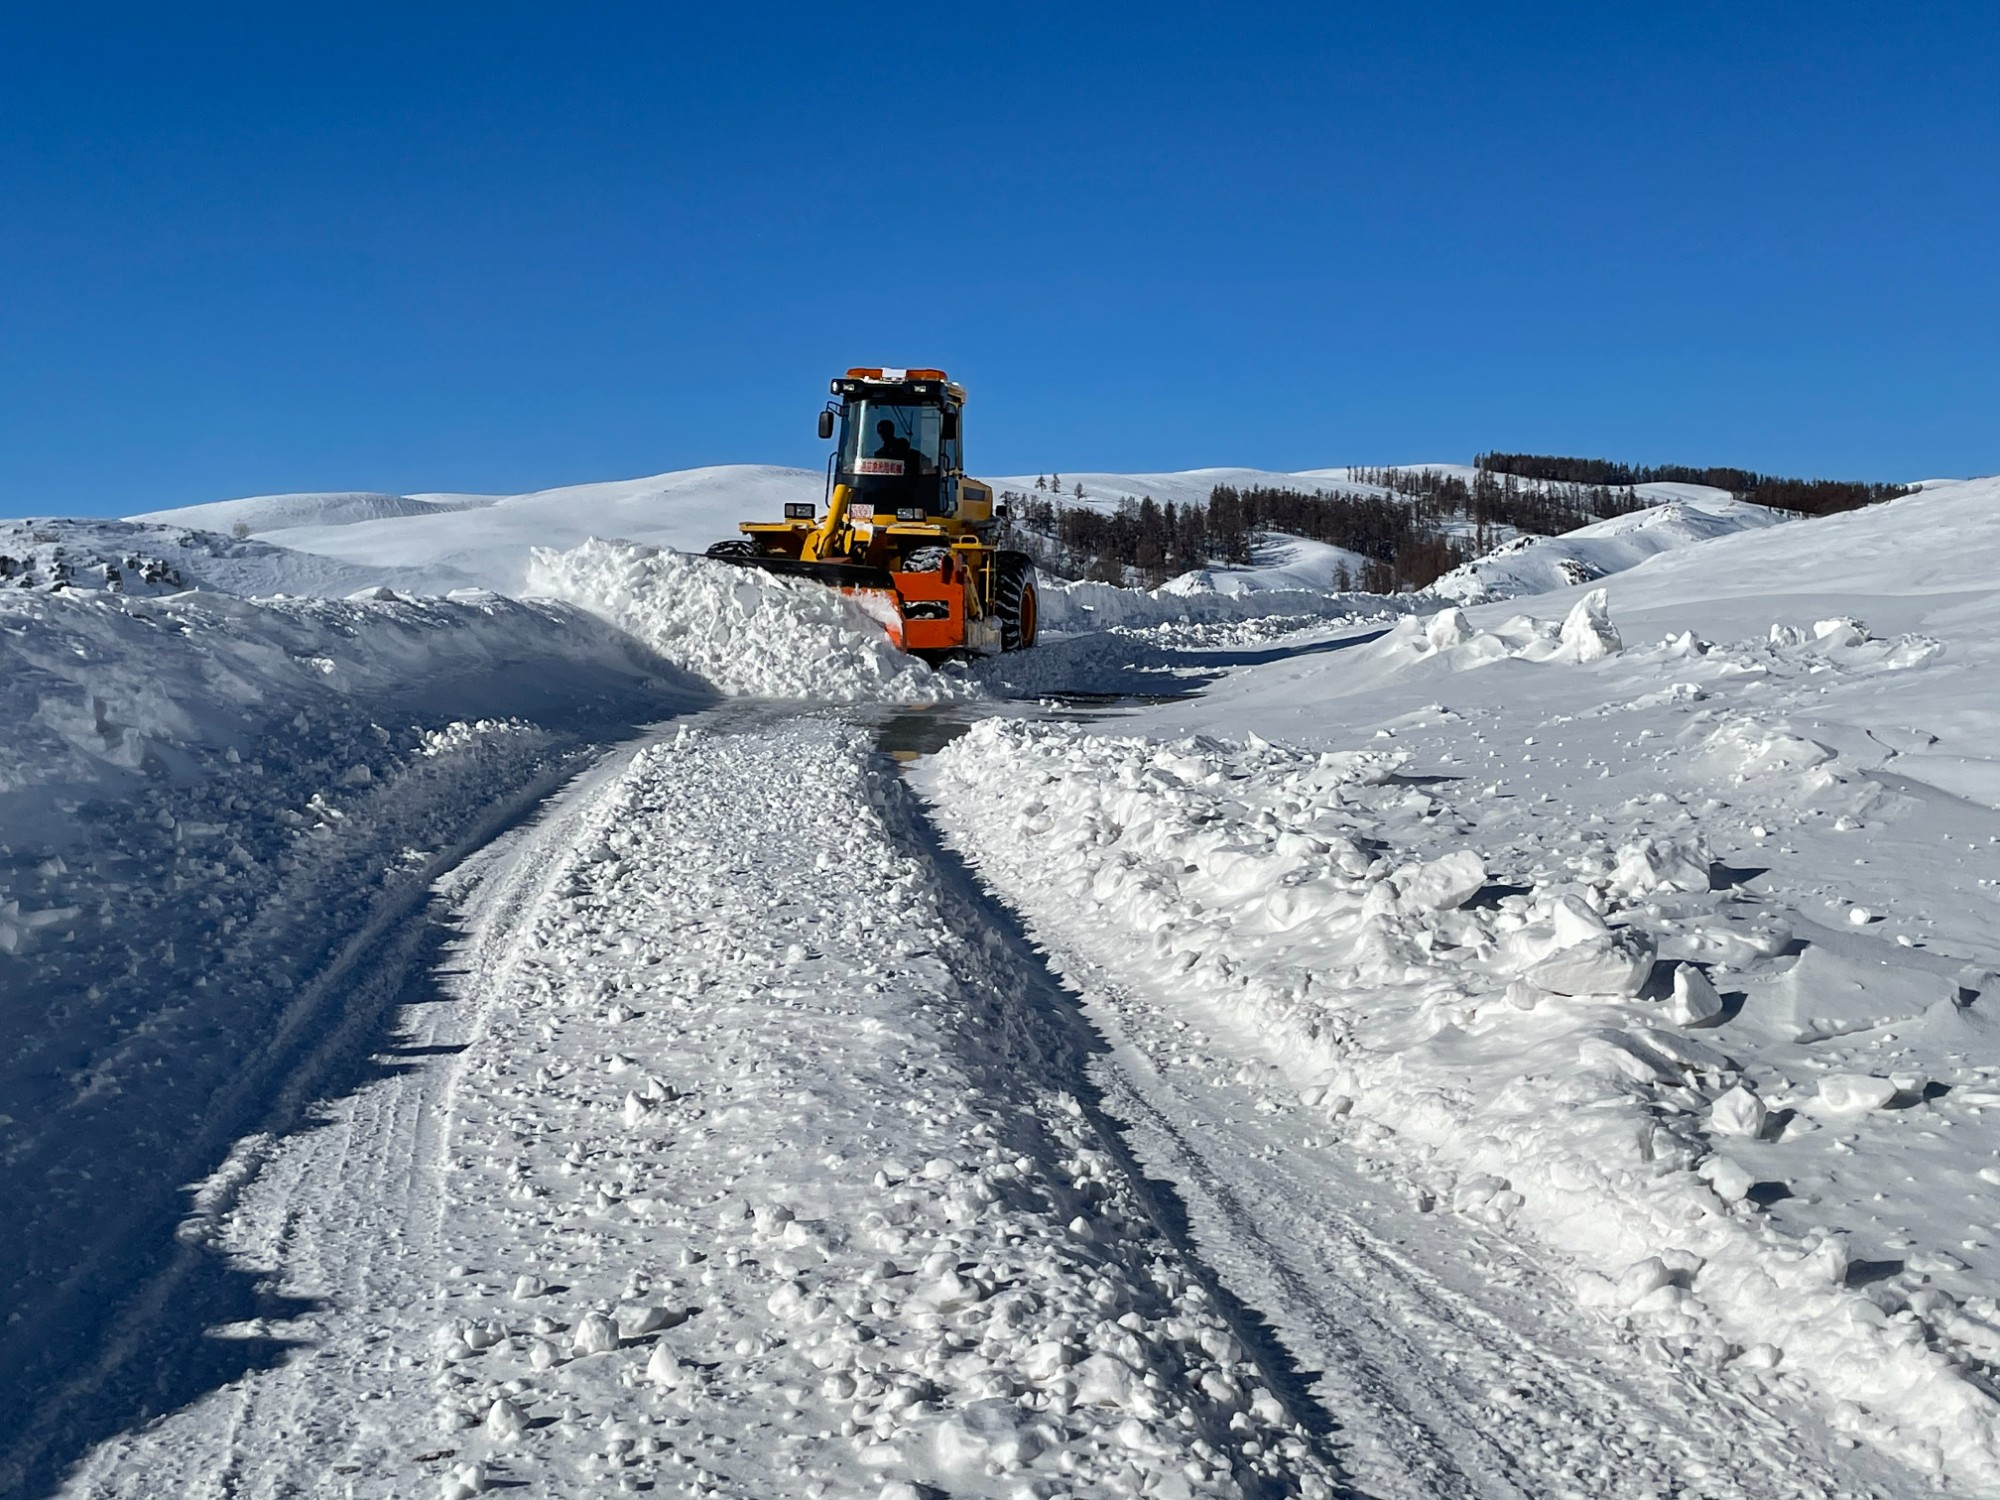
point(747, 633)
point(102, 694)
point(205, 802)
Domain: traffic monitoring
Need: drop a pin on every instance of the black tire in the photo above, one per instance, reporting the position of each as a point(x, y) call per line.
point(925, 559)
point(736, 546)
point(1016, 600)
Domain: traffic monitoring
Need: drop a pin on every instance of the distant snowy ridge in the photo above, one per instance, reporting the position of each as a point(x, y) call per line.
point(261, 513)
point(1542, 564)
point(457, 541)
point(140, 558)
point(1084, 605)
point(453, 541)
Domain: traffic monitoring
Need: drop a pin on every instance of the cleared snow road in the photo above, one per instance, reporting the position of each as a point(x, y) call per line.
point(761, 1170)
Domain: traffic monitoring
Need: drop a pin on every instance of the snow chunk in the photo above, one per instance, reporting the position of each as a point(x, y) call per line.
point(665, 1368)
point(1587, 634)
point(1731, 1180)
point(505, 1422)
point(1104, 1380)
point(1746, 748)
point(595, 1334)
point(1694, 1002)
point(1643, 1278)
point(1854, 1093)
point(1611, 963)
point(1661, 864)
point(1441, 884)
point(987, 1432)
point(1738, 1112)
point(1449, 628)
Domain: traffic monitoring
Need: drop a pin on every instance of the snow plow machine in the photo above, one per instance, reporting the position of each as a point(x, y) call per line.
point(902, 529)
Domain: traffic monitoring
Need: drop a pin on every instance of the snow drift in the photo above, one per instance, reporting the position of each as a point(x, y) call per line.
point(1541, 564)
point(1514, 1040)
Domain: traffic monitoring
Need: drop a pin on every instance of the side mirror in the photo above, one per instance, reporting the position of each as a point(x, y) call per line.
point(825, 425)
point(950, 426)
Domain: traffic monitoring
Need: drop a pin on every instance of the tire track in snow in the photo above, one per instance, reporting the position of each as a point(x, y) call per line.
point(386, 1146)
point(1018, 963)
point(158, 1329)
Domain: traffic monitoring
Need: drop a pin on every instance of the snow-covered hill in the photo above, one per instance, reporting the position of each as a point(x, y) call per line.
point(261, 513)
point(486, 541)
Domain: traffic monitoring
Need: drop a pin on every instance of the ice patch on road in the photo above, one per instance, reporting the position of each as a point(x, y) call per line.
point(745, 632)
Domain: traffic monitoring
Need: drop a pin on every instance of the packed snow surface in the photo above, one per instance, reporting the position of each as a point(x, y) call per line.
point(664, 1244)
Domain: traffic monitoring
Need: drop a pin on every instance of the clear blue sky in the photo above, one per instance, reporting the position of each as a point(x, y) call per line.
point(497, 247)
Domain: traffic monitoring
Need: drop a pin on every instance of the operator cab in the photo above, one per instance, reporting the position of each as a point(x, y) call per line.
point(899, 442)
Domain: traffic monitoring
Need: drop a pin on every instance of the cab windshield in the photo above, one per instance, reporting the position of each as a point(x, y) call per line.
point(890, 442)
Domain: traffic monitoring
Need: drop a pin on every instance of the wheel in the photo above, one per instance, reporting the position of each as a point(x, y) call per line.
point(926, 559)
point(1015, 600)
point(736, 546)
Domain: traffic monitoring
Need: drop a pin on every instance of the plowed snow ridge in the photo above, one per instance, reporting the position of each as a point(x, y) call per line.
point(746, 632)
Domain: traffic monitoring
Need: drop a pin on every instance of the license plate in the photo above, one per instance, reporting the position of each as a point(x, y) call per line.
point(861, 512)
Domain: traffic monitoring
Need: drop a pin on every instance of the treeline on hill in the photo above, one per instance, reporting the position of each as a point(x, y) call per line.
point(1810, 497)
point(1428, 524)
